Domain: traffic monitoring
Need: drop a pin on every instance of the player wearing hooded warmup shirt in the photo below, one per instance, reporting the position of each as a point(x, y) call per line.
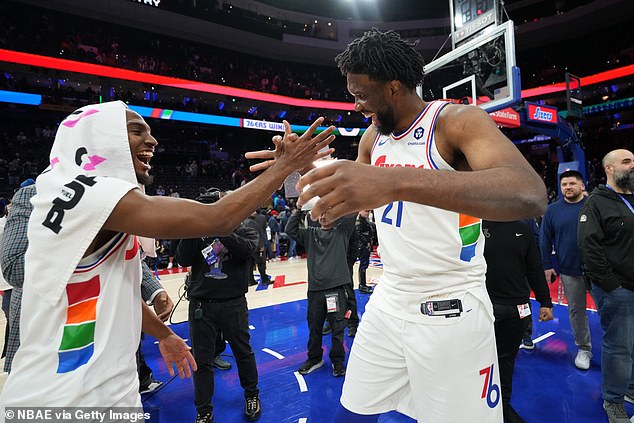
point(81, 310)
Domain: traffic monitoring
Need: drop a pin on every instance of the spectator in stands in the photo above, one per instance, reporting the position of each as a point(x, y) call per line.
point(173, 192)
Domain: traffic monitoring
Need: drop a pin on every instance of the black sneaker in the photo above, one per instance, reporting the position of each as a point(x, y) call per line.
point(310, 366)
point(327, 329)
point(252, 407)
point(364, 289)
point(352, 331)
point(338, 370)
point(204, 417)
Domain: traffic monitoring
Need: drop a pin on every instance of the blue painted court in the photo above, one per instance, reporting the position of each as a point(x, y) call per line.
point(548, 388)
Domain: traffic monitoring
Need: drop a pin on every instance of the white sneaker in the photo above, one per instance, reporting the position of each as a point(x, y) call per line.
point(151, 387)
point(170, 265)
point(582, 361)
point(629, 398)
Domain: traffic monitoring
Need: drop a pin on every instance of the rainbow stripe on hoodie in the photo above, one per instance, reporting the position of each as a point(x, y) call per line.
point(78, 340)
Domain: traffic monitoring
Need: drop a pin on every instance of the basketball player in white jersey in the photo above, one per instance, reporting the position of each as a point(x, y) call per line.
point(425, 346)
point(81, 308)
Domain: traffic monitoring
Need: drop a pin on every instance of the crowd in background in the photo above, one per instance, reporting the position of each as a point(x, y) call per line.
point(189, 157)
point(53, 34)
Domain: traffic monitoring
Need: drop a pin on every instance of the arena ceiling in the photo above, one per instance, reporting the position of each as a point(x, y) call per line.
point(401, 10)
point(383, 10)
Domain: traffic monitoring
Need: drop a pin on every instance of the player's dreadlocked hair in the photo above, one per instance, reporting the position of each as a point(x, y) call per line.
point(384, 56)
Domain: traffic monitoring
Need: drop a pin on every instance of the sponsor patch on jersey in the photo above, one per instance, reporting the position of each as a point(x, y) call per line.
point(419, 132)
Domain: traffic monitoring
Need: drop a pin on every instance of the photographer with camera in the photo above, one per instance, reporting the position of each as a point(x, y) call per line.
point(221, 270)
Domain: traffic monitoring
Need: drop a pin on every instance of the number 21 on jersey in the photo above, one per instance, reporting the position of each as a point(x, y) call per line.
point(391, 217)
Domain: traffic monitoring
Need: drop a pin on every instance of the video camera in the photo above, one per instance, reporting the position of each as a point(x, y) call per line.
point(210, 196)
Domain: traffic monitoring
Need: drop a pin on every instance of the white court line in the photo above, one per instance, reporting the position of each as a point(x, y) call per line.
point(544, 336)
point(541, 338)
point(301, 381)
point(251, 327)
point(273, 353)
point(304, 420)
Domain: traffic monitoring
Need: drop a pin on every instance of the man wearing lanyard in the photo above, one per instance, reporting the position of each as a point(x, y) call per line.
point(606, 240)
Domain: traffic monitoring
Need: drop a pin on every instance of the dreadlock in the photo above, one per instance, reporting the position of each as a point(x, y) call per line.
point(384, 56)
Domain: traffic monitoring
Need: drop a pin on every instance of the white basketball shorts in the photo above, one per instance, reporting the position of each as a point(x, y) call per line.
point(439, 370)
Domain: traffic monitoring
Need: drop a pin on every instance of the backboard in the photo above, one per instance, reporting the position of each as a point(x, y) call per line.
point(470, 17)
point(481, 71)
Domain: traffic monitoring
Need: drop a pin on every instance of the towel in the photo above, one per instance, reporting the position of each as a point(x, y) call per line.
point(90, 170)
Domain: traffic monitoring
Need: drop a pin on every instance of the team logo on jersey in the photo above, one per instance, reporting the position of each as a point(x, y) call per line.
point(419, 132)
point(490, 390)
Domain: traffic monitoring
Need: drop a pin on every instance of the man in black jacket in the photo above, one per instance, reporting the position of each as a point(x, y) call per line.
point(606, 241)
point(513, 260)
point(258, 221)
point(219, 279)
point(366, 231)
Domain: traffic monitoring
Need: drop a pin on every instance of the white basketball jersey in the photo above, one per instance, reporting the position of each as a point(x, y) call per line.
point(80, 352)
point(426, 252)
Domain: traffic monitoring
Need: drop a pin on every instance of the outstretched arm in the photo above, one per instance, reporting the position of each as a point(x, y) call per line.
point(269, 156)
point(169, 218)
